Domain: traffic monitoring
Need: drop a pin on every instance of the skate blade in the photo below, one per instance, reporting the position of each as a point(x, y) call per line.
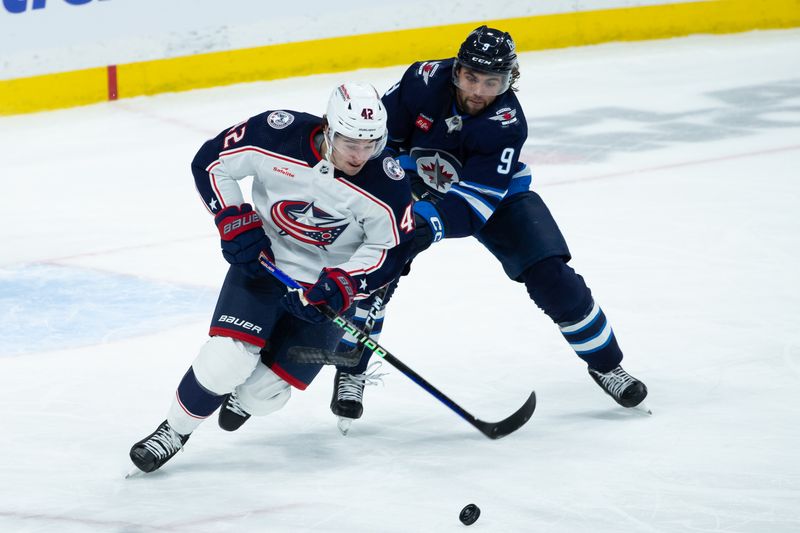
point(344, 425)
point(134, 472)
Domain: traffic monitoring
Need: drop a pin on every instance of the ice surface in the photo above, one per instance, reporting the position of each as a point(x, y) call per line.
point(673, 168)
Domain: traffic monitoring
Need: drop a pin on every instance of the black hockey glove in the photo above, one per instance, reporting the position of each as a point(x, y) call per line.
point(335, 287)
point(243, 238)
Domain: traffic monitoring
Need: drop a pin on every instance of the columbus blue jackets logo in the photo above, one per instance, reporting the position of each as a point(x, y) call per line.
point(438, 169)
point(393, 168)
point(280, 119)
point(307, 223)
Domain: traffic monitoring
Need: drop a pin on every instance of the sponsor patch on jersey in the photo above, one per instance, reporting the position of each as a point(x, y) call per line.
point(280, 119)
point(283, 170)
point(393, 168)
point(423, 122)
point(427, 70)
point(505, 116)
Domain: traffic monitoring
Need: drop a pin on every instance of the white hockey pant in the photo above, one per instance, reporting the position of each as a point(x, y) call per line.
point(221, 365)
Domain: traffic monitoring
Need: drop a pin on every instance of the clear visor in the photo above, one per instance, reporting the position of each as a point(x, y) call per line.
point(479, 82)
point(357, 149)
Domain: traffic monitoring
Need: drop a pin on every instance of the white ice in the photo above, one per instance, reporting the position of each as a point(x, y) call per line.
point(672, 167)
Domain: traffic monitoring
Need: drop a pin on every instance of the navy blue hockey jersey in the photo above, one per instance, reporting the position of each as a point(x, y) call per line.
point(470, 163)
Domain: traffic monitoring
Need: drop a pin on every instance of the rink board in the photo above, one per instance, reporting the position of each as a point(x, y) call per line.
point(338, 54)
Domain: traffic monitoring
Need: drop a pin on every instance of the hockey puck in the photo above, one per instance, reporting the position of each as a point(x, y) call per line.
point(469, 514)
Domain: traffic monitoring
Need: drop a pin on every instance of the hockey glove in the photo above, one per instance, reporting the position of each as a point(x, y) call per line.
point(243, 238)
point(334, 288)
point(432, 219)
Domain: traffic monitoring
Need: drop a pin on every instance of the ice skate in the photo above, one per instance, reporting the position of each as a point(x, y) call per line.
point(231, 414)
point(348, 395)
point(624, 388)
point(153, 451)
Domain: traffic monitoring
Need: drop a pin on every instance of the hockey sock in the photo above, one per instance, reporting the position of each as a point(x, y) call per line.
point(593, 340)
point(563, 295)
point(192, 404)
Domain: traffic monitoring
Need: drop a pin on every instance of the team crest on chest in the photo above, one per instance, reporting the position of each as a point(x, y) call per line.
point(393, 169)
point(280, 119)
point(307, 223)
point(437, 168)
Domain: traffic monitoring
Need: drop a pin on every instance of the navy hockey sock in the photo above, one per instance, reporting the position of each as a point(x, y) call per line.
point(196, 400)
point(593, 340)
point(563, 295)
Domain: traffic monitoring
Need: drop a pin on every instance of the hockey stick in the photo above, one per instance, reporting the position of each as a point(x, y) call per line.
point(493, 430)
point(349, 358)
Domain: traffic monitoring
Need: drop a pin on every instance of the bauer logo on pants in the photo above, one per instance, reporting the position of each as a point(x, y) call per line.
point(240, 323)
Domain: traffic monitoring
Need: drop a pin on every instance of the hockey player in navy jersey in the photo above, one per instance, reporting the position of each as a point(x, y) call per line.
point(332, 209)
point(458, 130)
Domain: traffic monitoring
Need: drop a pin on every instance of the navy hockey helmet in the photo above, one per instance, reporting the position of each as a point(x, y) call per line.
point(488, 50)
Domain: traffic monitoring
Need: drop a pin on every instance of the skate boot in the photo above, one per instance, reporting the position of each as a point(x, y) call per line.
point(348, 394)
point(232, 415)
point(624, 388)
point(157, 448)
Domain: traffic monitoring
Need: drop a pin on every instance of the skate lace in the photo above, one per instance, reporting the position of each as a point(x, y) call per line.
point(615, 381)
point(234, 405)
point(351, 386)
point(164, 443)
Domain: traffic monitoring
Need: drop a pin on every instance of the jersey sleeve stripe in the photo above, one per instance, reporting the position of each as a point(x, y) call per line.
point(483, 189)
point(267, 153)
point(481, 207)
point(383, 205)
point(377, 265)
point(212, 182)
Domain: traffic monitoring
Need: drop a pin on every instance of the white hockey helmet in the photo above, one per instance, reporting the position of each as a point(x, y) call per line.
point(355, 111)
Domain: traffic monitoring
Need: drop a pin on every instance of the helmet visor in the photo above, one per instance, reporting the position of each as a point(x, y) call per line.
point(480, 82)
point(357, 149)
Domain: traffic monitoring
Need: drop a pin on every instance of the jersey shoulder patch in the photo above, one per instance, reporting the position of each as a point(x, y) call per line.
point(393, 168)
point(280, 119)
point(427, 70)
point(505, 116)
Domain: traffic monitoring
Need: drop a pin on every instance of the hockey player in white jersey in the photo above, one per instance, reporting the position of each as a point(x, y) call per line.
point(332, 209)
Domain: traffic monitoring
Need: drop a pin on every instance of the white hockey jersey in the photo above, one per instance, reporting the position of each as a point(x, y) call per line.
point(315, 215)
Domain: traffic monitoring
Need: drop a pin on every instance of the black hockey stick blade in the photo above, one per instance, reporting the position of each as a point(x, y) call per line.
point(307, 354)
point(349, 358)
point(491, 430)
point(495, 430)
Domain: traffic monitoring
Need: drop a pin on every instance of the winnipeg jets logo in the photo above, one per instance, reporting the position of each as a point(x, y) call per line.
point(505, 116)
point(280, 119)
point(427, 70)
point(438, 170)
point(307, 223)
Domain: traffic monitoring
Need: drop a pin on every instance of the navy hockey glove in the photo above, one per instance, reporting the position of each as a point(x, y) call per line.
point(433, 220)
point(243, 238)
point(334, 287)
